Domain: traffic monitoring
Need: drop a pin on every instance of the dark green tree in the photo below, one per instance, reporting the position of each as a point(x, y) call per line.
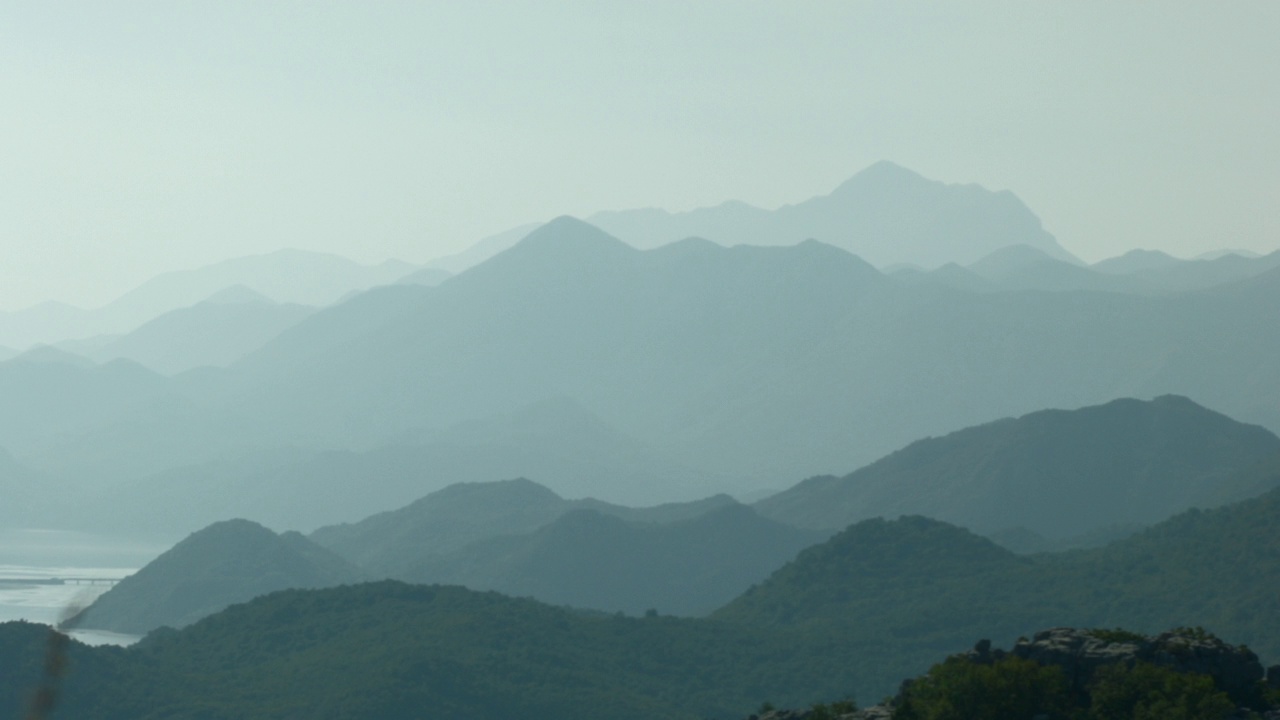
point(1009, 689)
point(1149, 692)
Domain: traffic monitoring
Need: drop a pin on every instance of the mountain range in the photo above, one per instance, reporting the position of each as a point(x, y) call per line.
point(885, 214)
point(1058, 473)
point(707, 369)
point(1064, 477)
point(1025, 268)
point(878, 602)
point(285, 276)
point(214, 332)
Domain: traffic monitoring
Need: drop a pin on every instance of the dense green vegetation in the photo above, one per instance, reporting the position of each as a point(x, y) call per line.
point(1014, 688)
point(850, 617)
point(957, 689)
point(923, 588)
point(390, 650)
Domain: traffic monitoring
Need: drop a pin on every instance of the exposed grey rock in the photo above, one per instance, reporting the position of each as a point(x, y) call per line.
point(1080, 653)
point(1235, 669)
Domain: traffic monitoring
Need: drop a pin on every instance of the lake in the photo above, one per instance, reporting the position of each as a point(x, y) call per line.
point(39, 554)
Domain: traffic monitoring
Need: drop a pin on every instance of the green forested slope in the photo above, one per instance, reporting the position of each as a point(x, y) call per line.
point(877, 603)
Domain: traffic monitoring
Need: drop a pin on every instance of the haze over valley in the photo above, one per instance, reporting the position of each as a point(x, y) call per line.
point(849, 361)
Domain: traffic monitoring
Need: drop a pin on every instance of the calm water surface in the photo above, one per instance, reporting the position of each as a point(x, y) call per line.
point(37, 554)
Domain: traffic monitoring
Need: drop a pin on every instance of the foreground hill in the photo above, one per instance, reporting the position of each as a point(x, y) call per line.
point(921, 586)
point(1083, 672)
point(393, 651)
point(226, 563)
point(877, 603)
point(1060, 474)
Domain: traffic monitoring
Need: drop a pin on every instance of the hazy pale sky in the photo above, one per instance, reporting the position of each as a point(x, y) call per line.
point(138, 137)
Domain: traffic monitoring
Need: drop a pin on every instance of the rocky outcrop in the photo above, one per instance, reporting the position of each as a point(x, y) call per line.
point(1235, 669)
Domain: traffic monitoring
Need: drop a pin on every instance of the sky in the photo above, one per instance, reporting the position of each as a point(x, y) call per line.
point(139, 137)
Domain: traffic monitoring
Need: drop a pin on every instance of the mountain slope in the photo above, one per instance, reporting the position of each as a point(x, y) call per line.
point(287, 276)
point(215, 332)
point(226, 563)
point(886, 214)
point(752, 365)
point(877, 603)
point(450, 519)
point(587, 559)
point(1057, 473)
point(921, 586)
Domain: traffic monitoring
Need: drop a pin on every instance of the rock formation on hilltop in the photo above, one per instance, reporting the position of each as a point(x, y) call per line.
point(1061, 672)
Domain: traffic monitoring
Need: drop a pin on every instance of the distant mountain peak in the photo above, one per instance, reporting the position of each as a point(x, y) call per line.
point(49, 355)
point(521, 488)
point(1136, 260)
point(569, 235)
point(1009, 259)
point(238, 294)
point(881, 173)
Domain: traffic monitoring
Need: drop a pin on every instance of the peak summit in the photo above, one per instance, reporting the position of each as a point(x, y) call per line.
point(568, 231)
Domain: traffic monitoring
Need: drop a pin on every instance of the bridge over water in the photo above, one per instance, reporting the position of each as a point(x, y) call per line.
point(59, 581)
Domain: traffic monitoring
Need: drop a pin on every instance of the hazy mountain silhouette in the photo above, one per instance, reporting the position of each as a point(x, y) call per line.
point(568, 312)
point(590, 559)
point(287, 276)
point(218, 331)
point(885, 214)
point(690, 345)
point(19, 485)
point(1022, 267)
point(484, 249)
point(391, 543)
point(228, 562)
point(1136, 261)
point(429, 276)
point(555, 440)
point(1215, 254)
point(62, 406)
point(1139, 272)
point(755, 365)
point(1058, 473)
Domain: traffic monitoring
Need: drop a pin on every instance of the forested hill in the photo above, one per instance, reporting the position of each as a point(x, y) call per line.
point(1058, 473)
point(922, 587)
point(877, 603)
point(228, 562)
